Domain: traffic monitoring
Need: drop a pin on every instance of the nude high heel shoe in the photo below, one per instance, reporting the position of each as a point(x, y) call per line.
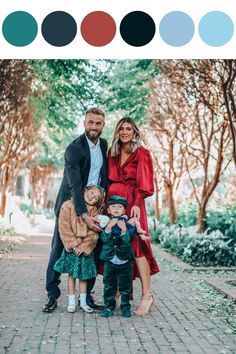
point(145, 306)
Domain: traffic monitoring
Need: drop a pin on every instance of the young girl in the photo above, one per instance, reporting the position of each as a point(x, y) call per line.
point(79, 242)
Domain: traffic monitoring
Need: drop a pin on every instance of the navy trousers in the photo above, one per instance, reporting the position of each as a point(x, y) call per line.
point(117, 277)
point(53, 277)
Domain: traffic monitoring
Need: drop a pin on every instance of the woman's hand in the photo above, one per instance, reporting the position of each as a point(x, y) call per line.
point(135, 212)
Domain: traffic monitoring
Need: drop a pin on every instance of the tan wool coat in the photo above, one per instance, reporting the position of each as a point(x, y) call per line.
point(74, 232)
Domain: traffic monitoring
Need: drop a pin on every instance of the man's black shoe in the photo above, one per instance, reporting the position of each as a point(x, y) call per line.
point(50, 305)
point(91, 303)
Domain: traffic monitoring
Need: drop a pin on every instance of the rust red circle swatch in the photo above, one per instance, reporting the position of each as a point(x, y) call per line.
point(98, 28)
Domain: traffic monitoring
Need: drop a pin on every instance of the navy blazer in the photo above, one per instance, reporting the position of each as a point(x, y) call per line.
point(76, 172)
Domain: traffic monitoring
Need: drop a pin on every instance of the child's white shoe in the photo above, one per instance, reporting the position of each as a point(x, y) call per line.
point(72, 304)
point(71, 308)
point(86, 308)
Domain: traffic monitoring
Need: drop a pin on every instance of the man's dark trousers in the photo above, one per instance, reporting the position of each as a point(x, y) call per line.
point(117, 277)
point(53, 277)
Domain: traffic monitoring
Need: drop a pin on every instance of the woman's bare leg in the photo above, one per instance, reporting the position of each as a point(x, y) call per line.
point(145, 278)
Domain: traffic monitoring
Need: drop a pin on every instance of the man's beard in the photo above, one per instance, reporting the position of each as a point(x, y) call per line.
point(92, 138)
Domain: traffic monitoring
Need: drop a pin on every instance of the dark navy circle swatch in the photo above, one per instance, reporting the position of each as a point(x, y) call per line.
point(176, 28)
point(19, 28)
point(59, 28)
point(137, 28)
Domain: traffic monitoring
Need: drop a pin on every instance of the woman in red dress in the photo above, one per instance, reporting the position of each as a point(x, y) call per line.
point(130, 175)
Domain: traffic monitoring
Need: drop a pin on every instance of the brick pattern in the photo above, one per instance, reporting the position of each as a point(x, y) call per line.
point(177, 323)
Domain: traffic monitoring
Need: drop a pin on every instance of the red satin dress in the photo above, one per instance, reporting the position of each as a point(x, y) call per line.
point(134, 181)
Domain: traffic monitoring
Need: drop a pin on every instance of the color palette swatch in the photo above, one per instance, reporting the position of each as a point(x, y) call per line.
point(20, 28)
point(137, 28)
point(176, 28)
point(98, 28)
point(59, 28)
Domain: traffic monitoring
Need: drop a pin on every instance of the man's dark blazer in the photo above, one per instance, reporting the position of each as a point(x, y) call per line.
point(76, 172)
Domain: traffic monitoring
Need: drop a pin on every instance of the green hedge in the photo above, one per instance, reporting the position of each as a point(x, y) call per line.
point(208, 249)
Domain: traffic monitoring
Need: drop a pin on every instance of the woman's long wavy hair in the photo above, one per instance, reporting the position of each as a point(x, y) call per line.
point(116, 143)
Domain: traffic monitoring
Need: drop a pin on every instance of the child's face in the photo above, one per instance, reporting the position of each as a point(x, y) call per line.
point(92, 196)
point(116, 209)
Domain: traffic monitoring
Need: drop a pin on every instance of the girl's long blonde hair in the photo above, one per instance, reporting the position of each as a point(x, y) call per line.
point(116, 143)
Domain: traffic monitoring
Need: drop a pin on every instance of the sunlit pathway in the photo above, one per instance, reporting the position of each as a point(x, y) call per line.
point(179, 322)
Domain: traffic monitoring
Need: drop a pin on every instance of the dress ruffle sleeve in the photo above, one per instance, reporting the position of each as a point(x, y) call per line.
point(145, 183)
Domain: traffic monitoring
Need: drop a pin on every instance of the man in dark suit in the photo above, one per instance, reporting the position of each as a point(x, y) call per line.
point(85, 164)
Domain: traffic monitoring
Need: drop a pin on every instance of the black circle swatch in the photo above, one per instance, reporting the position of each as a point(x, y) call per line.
point(137, 28)
point(59, 28)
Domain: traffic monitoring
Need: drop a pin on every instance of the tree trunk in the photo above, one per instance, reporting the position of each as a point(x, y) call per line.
point(157, 204)
point(3, 203)
point(171, 202)
point(201, 217)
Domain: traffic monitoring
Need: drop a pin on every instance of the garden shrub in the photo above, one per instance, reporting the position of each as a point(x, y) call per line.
point(208, 249)
point(6, 230)
point(223, 220)
point(29, 210)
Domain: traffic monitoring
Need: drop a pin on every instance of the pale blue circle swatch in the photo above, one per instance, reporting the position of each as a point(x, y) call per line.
point(20, 28)
point(216, 28)
point(176, 28)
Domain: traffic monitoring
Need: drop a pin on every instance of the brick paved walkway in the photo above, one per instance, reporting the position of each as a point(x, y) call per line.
point(177, 324)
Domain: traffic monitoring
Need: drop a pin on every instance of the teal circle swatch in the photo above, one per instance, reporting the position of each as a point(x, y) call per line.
point(216, 28)
point(176, 28)
point(19, 28)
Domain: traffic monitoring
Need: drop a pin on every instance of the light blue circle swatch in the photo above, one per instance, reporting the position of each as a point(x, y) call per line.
point(176, 28)
point(216, 28)
point(19, 28)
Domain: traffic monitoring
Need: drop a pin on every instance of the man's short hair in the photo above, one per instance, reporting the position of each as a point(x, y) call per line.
point(95, 110)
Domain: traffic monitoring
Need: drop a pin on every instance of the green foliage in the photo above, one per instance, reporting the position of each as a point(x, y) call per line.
point(64, 89)
point(187, 215)
point(128, 90)
point(208, 249)
point(223, 220)
point(29, 210)
point(6, 230)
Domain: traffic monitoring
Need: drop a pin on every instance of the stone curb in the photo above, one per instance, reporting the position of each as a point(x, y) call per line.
point(218, 284)
point(222, 287)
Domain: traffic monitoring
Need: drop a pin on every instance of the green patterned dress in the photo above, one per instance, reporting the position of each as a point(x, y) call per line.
point(79, 267)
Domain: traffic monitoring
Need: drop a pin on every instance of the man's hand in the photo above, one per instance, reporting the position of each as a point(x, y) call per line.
point(110, 225)
point(135, 212)
point(122, 226)
point(92, 223)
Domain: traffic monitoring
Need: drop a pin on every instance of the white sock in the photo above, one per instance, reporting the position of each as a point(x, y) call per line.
point(82, 298)
point(71, 299)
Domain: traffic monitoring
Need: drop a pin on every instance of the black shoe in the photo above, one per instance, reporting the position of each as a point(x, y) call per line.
point(91, 303)
point(50, 305)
